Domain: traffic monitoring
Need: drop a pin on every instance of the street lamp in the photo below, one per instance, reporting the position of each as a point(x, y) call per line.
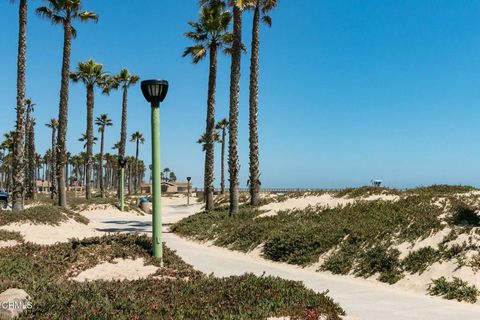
point(188, 190)
point(155, 92)
point(122, 163)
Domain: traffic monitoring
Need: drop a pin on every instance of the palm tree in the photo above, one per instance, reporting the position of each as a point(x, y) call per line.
point(8, 144)
point(64, 12)
point(84, 139)
point(203, 140)
point(261, 9)
point(209, 34)
point(138, 138)
point(236, 52)
point(19, 157)
point(91, 74)
point(102, 122)
point(125, 80)
point(53, 124)
point(223, 126)
point(166, 173)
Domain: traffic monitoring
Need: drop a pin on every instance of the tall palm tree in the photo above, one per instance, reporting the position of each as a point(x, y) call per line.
point(124, 80)
point(53, 124)
point(261, 9)
point(138, 138)
point(102, 122)
point(236, 51)
point(233, 162)
point(210, 33)
point(64, 12)
point(223, 126)
point(19, 157)
point(92, 75)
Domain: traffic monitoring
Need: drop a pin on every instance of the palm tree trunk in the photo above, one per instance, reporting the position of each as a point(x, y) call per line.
point(90, 106)
point(123, 135)
point(63, 115)
point(253, 123)
point(233, 163)
point(53, 187)
point(222, 180)
point(19, 157)
point(210, 128)
point(32, 185)
point(102, 186)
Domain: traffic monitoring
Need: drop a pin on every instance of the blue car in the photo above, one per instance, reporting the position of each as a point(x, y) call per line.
point(3, 200)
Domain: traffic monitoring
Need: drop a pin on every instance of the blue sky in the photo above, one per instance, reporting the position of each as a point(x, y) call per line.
point(349, 90)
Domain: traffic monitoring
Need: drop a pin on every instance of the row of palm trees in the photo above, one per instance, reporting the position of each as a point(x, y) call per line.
point(105, 166)
point(64, 13)
point(210, 34)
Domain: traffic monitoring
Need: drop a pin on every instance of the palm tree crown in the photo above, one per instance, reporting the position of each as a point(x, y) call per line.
point(103, 121)
point(90, 73)
point(211, 30)
point(62, 11)
point(137, 136)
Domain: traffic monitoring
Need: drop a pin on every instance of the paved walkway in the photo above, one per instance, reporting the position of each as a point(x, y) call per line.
point(362, 300)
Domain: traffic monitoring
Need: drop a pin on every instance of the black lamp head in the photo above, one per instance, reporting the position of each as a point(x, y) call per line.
point(122, 162)
point(189, 178)
point(154, 91)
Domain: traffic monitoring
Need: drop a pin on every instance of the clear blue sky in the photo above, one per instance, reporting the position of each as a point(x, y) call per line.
point(349, 90)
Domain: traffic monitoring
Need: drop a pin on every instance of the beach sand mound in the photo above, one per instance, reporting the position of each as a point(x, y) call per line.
point(119, 269)
point(326, 200)
point(51, 234)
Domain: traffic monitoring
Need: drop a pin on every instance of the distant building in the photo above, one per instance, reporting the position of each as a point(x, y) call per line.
point(168, 187)
point(43, 186)
point(377, 183)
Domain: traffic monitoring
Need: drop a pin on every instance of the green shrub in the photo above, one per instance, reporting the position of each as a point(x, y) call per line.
point(418, 261)
point(364, 192)
point(456, 289)
point(464, 214)
point(43, 214)
point(380, 259)
point(43, 272)
point(10, 235)
point(342, 260)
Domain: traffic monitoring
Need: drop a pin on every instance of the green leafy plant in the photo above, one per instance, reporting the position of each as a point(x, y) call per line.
point(419, 260)
point(174, 292)
point(456, 289)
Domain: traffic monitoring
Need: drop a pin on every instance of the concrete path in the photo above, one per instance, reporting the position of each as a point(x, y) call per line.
point(362, 300)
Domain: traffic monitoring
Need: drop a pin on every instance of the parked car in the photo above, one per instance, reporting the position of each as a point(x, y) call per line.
point(3, 200)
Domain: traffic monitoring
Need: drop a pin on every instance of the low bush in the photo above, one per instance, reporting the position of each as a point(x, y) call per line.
point(382, 260)
point(179, 293)
point(456, 289)
point(10, 235)
point(464, 215)
point(365, 192)
point(43, 214)
point(418, 261)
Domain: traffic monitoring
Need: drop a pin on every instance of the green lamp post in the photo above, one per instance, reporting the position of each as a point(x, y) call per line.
point(155, 92)
point(122, 163)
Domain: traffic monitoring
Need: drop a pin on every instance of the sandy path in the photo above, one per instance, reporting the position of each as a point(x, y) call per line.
point(361, 299)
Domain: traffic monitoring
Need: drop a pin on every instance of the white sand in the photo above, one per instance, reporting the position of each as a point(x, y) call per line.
point(50, 234)
point(8, 243)
point(325, 200)
point(120, 269)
